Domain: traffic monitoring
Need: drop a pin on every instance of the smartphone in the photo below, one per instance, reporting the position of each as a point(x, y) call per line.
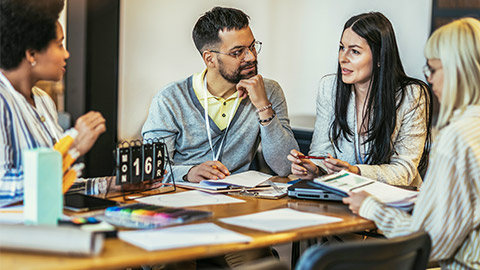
point(80, 202)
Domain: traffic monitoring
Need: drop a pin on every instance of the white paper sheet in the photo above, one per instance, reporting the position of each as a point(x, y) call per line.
point(12, 215)
point(182, 236)
point(244, 179)
point(280, 220)
point(189, 198)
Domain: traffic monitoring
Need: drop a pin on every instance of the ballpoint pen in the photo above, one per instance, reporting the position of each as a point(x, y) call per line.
point(312, 157)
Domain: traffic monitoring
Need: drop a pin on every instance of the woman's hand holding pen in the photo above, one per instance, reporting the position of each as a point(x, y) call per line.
point(335, 165)
point(209, 170)
point(302, 167)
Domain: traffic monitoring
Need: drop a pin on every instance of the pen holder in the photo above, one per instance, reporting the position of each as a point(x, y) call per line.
point(43, 198)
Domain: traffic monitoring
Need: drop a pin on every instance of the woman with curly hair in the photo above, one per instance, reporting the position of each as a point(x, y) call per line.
point(31, 49)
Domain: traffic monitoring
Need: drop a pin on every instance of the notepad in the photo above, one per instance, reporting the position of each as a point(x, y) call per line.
point(343, 182)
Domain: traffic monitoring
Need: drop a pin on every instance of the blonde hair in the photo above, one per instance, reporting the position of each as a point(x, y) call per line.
point(457, 46)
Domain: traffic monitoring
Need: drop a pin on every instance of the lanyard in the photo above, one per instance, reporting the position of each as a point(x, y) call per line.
point(357, 142)
point(207, 122)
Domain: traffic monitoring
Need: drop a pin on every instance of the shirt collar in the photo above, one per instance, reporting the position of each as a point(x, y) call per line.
point(199, 87)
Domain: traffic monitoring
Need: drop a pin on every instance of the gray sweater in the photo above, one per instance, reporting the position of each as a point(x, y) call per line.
point(177, 116)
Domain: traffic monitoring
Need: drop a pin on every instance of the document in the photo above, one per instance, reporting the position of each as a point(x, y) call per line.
point(244, 179)
point(343, 182)
point(182, 236)
point(188, 198)
point(279, 220)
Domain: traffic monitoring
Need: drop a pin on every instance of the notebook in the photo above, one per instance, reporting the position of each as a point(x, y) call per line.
point(307, 189)
point(343, 182)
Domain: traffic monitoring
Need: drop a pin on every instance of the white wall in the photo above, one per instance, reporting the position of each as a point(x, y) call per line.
point(300, 42)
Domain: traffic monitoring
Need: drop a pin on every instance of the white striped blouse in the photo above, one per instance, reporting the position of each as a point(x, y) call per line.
point(448, 206)
point(22, 127)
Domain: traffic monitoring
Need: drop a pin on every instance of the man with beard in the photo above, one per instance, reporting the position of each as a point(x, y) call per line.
point(213, 121)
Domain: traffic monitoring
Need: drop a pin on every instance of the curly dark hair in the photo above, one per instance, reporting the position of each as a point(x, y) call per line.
point(205, 32)
point(26, 24)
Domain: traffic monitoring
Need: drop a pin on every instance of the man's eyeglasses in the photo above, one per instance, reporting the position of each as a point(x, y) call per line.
point(241, 52)
point(428, 71)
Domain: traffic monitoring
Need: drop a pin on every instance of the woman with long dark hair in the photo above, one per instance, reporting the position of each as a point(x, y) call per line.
point(372, 119)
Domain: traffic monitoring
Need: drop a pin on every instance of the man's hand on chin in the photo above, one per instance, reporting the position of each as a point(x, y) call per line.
point(255, 89)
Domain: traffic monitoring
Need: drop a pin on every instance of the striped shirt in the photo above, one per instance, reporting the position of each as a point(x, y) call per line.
point(23, 127)
point(448, 206)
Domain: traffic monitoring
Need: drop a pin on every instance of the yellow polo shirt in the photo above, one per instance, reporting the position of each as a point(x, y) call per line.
point(219, 109)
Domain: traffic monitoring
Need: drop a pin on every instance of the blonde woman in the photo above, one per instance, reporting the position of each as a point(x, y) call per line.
point(448, 206)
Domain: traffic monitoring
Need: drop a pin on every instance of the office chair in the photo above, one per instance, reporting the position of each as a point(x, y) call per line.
point(406, 252)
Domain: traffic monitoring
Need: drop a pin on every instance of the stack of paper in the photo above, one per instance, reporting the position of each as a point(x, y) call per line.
point(12, 215)
point(343, 182)
point(51, 239)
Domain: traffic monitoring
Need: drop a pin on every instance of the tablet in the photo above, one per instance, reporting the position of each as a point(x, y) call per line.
point(80, 202)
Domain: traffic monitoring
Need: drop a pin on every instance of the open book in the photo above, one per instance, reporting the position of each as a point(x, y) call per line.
point(343, 182)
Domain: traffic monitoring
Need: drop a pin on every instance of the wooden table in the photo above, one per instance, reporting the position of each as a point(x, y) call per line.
point(118, 254)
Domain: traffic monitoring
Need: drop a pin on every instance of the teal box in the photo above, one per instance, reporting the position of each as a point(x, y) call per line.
point(43, 198)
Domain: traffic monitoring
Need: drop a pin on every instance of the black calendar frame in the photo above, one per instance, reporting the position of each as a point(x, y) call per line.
point(154, 157)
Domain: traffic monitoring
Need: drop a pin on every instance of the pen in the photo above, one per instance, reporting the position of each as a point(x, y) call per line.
point(293, 181)
point(362, 185)
point(311, 157)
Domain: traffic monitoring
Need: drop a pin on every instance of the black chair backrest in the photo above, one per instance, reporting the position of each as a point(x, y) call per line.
point(406, 252)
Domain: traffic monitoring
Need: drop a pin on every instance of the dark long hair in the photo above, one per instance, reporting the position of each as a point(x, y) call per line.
point(388, 86)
